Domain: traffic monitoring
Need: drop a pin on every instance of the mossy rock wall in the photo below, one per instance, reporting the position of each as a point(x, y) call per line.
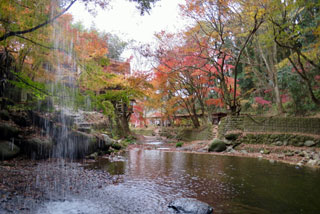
point(270, 124)
point(278, 139)
point(282, 124)
point(272, 130)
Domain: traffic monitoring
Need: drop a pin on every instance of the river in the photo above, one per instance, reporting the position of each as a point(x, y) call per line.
point(232, 185)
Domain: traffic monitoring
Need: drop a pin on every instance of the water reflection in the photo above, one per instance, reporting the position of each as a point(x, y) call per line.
point(230, 184)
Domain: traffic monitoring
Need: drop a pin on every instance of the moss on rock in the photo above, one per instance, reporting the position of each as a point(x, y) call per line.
point(217, 146)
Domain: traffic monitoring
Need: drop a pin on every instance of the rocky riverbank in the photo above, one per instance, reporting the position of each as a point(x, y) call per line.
point(300, 156)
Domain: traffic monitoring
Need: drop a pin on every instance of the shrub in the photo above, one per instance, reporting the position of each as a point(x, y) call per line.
point(179, 144)
point(217, 146)
point(232, 136)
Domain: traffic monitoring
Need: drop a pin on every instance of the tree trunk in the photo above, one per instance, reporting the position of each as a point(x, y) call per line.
point(273, 76)
point(195, 118)
point(122, 118)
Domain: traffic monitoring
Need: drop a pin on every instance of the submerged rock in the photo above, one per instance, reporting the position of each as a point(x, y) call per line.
point(190, 206)
point(8, 150)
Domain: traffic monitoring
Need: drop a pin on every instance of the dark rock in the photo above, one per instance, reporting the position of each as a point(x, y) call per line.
point(116, 146)
point(217, 146)
point(37, 148)
point(7, 131)
point(8, 150)
point(4, 115)
point(190, 206)
point(93, 155)
point(21, 118)
point(81, 144)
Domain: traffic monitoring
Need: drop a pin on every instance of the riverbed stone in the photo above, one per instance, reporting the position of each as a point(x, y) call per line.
point(107, 140)
point(8, 150)
point(217, 146)
point(313, 162)
point(309, 143)
point(190, 206)
point(93, 155)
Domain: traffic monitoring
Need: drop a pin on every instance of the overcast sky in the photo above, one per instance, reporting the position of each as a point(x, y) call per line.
point(124, 20)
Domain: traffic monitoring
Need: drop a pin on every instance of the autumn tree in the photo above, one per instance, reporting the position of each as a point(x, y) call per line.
point(261, 58)
point(227, 27)
point(296, 31)
point(185, 76)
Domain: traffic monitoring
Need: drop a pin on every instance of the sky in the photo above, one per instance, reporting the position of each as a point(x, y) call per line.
point(124, 20)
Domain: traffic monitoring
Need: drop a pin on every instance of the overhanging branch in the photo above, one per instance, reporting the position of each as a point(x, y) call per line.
point(15, 33)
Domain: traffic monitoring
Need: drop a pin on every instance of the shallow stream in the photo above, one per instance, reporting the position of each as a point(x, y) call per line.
point(152, 178)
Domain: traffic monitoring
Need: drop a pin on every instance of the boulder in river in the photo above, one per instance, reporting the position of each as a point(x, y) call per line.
point(217, 146)
point(8, 150)
point(190, 206)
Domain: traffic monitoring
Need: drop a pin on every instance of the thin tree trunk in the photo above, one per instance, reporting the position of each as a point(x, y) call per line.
point(274, 78)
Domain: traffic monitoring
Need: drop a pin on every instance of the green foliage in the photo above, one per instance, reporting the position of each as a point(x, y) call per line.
point(130, 139)
point(179, 144)
point(108, 108)
point(232, 136)
point(300, 102)
point(36, 89)
point(217, 146)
